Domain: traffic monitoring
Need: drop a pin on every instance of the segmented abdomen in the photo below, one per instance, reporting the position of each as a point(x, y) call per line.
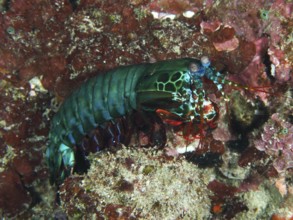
point(100, 99)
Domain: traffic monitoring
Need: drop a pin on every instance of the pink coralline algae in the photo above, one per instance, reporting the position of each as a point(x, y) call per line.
point(281, 67)
point(277, 141)
point(226, 39)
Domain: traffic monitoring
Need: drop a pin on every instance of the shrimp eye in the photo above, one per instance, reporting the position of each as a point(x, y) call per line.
point(193, 67)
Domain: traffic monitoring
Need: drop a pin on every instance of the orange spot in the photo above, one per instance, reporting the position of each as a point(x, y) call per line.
point(217, 208)
point(207, 108)
point(277, 217)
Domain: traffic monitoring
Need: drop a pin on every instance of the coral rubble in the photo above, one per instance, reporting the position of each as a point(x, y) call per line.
point(149, 187)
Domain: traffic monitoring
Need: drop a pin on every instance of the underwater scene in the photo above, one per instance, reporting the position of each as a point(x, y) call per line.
point(146, 109)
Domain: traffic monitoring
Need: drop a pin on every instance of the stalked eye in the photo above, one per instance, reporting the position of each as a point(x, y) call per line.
point(193, 67)
point(196, 70)
point(205, 61)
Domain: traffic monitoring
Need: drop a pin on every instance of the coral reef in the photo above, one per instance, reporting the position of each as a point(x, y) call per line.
point(137, 184)
point(48, 48)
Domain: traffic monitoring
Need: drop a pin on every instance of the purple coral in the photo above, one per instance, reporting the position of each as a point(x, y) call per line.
point(277, 141)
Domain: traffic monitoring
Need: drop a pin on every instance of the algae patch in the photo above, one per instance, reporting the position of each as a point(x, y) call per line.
point(150, 187)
